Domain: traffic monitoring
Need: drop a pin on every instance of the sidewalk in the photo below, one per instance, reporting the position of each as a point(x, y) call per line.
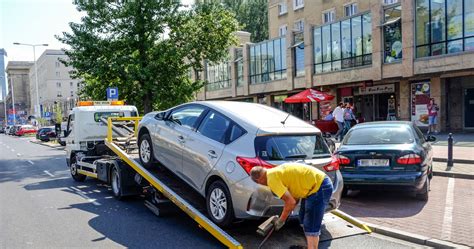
point(459, 170)
point(463, 148)
point(50, 144)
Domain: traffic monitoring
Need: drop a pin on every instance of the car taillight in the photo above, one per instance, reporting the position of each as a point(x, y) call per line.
point(343, 160)
point(333, 165)
point(409, 159)
point(248, 163)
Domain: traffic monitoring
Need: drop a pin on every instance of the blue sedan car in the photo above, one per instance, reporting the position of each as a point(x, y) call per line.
point(387, 155)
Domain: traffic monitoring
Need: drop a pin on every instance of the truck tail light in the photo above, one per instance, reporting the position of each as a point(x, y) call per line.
point(333, 165)
point(248, 163)
point(409, 159)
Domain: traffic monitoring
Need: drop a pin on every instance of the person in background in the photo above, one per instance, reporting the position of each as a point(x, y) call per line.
point(432, 116)
point(329, 116)
point(348, 118)
point(339, 118)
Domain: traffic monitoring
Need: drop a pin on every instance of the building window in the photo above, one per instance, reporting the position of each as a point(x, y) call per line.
point(268, 61)
point(392, 33)
point(444, 27)
point(298, 4)
point(387, 2)
point(282, 8)
point(58, 74)
point(282, 30)
point(350, 9)
point(58, 84)
point(72, 93)
point(59, 95)
point(343, 44)
point(239, 65)
point(299, 26)
point(57, 64)
point(71, 84)
point(218, 76)
point(329, 16)
point(298, 48)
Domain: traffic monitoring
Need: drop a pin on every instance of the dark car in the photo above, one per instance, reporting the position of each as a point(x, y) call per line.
point(387, 155)
point(45, 134)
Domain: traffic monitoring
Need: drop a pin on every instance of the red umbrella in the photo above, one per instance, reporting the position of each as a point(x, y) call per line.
point(309, 95)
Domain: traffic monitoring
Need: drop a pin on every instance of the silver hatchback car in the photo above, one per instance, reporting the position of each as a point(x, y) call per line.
point(212, 145)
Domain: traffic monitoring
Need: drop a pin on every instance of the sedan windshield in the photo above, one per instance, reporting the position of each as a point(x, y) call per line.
point(379, 135)
point(291, 147)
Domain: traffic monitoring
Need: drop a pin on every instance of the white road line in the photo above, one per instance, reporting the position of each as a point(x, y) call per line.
point(83, 195)
point(448, 211)
point(18, 154)
point(31, 162)
point(12, 150)
point(48, 173)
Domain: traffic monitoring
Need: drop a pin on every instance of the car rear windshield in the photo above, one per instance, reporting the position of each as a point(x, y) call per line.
point(379, 135)
point(291, 147)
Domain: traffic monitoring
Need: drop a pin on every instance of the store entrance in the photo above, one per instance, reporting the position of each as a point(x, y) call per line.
point(375, 107)
point(469, 108)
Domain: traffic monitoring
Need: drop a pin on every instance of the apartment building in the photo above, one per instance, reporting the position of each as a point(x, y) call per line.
point(386, 57)
point(18, 100)
point(55, 85)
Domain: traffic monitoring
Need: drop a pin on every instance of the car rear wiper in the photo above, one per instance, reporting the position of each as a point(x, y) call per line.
point(296, 156)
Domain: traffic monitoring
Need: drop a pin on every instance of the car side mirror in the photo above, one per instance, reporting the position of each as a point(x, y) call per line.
point(161, 116)
point(430, 138)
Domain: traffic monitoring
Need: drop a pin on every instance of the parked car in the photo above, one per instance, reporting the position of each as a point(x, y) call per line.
point(25, 129)
point(389, 154)
point(213, 145)
point(7, 129)
point(45, 134)
point(14, 129)
point(2, 129)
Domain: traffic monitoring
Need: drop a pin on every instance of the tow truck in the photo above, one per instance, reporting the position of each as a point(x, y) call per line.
point(101, 143)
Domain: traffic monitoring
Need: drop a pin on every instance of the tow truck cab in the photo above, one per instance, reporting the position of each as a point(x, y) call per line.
point(85, 132)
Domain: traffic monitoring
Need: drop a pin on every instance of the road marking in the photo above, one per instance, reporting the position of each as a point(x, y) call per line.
point(31, 162)
point(8, 147)
point(48, 173)
point(18, 154)
point(448, 211)
point(12, 150)
point(83, 195)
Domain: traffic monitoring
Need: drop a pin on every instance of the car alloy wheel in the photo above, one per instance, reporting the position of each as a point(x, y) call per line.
point(145, 153)
point(218, 204)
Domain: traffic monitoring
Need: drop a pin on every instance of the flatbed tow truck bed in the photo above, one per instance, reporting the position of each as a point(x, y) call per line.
point(242, 234)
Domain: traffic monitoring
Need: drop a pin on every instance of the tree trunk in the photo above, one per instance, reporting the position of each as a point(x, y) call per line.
point(147, 103)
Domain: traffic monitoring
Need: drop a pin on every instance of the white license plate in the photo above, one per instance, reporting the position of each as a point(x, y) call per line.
point(373, 162)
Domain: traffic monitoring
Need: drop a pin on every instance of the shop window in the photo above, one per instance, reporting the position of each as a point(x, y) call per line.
point(443, 26)
point(392, 32)
point(218, 76)
point(343, 44)
point(268, 61)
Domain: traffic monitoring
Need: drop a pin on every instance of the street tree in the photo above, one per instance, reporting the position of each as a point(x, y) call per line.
point(146, 48)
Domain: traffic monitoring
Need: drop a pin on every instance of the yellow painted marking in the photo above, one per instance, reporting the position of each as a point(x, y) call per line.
point(351, 220)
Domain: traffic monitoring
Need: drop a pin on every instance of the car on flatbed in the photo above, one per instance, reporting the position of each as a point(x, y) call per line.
point(212, 146)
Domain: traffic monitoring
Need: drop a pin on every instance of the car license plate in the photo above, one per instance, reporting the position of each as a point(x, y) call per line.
point(373, 162)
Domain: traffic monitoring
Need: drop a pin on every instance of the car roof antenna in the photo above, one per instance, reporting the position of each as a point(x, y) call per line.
point(283, 122)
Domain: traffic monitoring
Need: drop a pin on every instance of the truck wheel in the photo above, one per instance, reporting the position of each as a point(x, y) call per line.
point(73, 169)
point(115, 182)
point(219, 204)
point(146, 151)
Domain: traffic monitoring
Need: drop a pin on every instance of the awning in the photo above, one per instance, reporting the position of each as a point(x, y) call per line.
point(309, 95)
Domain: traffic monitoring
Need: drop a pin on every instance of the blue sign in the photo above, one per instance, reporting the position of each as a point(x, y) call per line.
point(112, 93)
point(47, 114)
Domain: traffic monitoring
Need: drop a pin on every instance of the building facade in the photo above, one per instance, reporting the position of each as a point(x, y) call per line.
point(56, 88)
point(3, 76)
point(386, 57)
point(18, 100)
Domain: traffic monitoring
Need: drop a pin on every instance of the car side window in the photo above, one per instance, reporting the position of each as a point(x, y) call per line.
point(187, 116)
point(214, 126)
point(419, 134)
point(235, 132)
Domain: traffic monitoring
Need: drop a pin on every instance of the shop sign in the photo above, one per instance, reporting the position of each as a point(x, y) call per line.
point(420, 98)
point(389, 88)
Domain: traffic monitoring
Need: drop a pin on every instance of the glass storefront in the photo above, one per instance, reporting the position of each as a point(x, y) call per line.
point(392, 32)
point(343, 44)
point(268, 61)
point(444, 26)
point(218, 76)
point(299, 54)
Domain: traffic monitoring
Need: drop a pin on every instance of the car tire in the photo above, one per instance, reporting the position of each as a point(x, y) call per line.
point(116, 183)
point(345, 191)
point(73, 169)
point(219, 204)
point(145, 151)
point(424, 192)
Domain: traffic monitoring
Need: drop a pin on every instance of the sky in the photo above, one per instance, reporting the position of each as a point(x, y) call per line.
point(36, 22)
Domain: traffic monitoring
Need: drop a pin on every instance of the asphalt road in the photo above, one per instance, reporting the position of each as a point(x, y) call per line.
point(42, 207)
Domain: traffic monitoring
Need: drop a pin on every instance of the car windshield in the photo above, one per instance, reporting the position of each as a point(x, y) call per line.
point(291, 147)
point(379, 135)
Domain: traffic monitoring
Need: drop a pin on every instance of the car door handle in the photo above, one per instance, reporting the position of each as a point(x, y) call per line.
point(212, 154)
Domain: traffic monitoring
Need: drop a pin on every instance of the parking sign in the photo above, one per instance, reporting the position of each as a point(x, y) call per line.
point(112, 93)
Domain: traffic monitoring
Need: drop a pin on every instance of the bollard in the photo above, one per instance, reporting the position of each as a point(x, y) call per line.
point(450, 150)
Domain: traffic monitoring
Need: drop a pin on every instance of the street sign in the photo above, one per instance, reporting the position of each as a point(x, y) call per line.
point(47, 114)
point(112, 93)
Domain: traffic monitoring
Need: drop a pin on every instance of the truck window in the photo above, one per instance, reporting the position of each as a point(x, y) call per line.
point(99, 115)
point(70, 124)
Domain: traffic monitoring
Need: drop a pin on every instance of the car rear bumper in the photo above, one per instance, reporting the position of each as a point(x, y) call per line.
point(391, 180)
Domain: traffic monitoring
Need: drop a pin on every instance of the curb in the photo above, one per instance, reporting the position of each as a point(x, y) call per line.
point(453, 175)
point(414, 238)
point(444, 160)
point(47, 145)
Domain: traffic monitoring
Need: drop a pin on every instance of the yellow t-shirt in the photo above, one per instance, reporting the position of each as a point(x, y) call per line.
point(299, 179)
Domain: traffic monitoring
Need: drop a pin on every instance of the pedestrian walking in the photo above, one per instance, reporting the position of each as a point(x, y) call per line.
point(432, 116)
point(292, 182)
point(338, 114)
point(348, 119)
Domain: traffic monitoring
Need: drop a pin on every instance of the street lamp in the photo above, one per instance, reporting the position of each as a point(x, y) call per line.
point(37, 106)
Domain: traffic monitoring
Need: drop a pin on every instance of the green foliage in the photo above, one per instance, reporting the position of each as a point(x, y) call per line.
point(251, 14)
point(58, 113)
point(146, 49)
